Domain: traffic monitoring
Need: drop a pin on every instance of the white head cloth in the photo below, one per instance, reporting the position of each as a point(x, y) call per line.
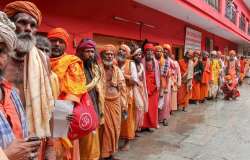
point(7, 32)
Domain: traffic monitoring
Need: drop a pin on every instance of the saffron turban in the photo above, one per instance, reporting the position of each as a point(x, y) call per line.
point(59, 33)
point(86, 43)
point(158, 48)
point(168, 47)
point(30, 8)
point(149, 46)
point(108, 47)
point(126, 48)
point(7, 32)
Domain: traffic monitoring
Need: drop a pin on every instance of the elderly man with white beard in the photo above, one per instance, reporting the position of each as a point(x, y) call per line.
point(28, 69)
point(13, 131)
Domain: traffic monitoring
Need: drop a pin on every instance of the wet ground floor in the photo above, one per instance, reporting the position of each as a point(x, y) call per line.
point(214, 130)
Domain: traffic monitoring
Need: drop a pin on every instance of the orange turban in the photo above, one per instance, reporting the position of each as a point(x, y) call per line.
point(232, 53)
point(30, 8)
point(126, 48)
point(168, 47)
point(108, 47)
point(59, 33)
point(159, 48)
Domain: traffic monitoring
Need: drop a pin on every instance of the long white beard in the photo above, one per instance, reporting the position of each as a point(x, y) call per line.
point(25, 45)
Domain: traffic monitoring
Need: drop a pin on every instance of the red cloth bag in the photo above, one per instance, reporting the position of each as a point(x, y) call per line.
point(85, 119)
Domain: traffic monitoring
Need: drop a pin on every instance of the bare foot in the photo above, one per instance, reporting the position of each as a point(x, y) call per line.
point(125, 147)
point(137, 134)
point(165, 122)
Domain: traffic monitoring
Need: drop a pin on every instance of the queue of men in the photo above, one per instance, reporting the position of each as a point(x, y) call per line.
point(132, 89)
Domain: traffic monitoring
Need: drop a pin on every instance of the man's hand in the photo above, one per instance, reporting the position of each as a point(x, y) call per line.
point(165, 91)
point(161, 93)
point(70, 118)
point(178, 86)
point(22, 150)
point(140, 78)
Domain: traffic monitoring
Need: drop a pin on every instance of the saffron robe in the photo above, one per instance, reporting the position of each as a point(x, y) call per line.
point(151, 117)
point(69, 70)
point(175, 84)
point(185, 90)
point(164, 113)
point(198, 70)
point(205, 79)
point(128, 125)
point(115, 102)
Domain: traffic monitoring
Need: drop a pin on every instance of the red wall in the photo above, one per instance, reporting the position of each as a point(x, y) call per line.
point(82, 19)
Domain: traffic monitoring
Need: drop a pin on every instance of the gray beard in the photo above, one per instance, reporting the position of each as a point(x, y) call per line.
point(121, 59)
point(25, 45)
point(107, 63)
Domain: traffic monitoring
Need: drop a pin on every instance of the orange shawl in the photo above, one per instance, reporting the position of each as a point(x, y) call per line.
point(72, 80)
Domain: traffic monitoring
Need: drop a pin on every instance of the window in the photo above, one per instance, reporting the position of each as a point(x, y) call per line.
point(231, 9)
point(242, 22)
point(248, 30)
point(213, 3)
point(209, 44)
point(247, 26)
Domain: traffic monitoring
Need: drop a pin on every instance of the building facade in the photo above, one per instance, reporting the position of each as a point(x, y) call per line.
point(209, 24)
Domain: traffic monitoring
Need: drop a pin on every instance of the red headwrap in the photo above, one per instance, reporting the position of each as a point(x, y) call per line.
point(86, 43)
point(30, 8)
point(149, 46)
point(59, 33)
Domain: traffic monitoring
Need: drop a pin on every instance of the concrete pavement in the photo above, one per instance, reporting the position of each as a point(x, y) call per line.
point(215, 130)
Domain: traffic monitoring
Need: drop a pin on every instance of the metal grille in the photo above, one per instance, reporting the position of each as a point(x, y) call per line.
point(231, 11)
point(213, 3)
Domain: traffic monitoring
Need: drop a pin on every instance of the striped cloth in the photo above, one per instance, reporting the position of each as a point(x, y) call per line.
point(164, 68)
point(20, 110)
point(6, 134)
